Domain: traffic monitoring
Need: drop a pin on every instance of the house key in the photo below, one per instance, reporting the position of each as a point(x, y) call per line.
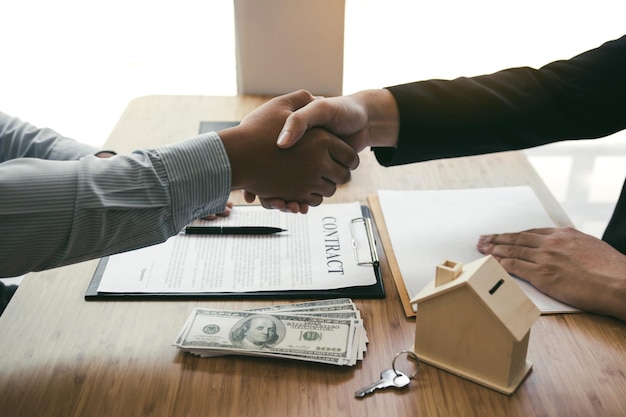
point(388, 378)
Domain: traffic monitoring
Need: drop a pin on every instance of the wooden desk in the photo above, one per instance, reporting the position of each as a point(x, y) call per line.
point(62, 356)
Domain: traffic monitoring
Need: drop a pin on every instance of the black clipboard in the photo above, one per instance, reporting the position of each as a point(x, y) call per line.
point(374, 291)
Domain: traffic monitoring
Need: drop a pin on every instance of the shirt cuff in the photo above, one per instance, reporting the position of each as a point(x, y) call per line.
point(199, 174)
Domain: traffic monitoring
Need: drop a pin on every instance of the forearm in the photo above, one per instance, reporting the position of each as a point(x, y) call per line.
point(60, 212)
point(19, 139)
point(516, 108)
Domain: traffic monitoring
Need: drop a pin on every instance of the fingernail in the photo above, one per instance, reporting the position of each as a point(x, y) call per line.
point(282, 138)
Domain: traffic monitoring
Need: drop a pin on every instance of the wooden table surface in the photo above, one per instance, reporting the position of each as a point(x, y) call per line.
point(63, 356)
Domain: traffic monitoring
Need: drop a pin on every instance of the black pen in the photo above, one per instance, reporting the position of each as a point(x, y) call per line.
point(236, 230)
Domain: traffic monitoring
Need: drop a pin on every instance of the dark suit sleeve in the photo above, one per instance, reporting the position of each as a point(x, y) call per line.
point(517, 108)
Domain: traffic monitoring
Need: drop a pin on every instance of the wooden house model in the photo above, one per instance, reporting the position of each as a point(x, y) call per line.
point(474, 320)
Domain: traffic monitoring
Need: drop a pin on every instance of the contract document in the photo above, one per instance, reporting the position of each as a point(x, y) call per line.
point(328, 248)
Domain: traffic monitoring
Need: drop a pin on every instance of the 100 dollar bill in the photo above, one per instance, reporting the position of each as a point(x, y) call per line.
point(248, 331)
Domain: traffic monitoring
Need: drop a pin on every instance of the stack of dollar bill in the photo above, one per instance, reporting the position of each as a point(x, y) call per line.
point(328, 331)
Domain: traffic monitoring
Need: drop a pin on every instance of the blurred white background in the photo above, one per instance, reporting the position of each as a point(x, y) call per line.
point(74, 65)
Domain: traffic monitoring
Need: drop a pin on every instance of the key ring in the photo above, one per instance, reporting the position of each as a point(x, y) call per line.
point(409, 354)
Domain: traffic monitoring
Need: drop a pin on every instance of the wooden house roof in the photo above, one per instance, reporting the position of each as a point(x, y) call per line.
point(495, 290)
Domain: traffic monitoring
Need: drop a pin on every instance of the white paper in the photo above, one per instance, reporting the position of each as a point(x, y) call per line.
point(427, 227)
point(315, 253)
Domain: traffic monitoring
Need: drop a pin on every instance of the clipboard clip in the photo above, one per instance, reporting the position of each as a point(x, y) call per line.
point(360, 236)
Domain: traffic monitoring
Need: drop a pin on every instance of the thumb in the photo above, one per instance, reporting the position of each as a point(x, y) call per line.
point(316, 113)
point(292, 131)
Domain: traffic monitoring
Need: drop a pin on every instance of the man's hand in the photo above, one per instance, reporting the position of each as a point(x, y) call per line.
point(367, 118)
point(225, 213)
point(105, 154)
point(566, 264)
point(304, 173)
point(342, 116)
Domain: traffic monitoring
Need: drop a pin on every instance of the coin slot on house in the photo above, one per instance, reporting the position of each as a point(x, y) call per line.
point(495, 287)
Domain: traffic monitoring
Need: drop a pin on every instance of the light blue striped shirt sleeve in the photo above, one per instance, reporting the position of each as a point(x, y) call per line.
point(23, 140)
point(57, 212)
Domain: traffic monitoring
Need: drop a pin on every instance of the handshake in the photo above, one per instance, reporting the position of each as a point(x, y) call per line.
point(294, 150)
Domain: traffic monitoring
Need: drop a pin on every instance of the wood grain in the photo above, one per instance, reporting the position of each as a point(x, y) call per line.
point(62, 356)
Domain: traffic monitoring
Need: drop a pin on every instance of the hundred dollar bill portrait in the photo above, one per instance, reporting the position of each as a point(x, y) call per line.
point(257, 332)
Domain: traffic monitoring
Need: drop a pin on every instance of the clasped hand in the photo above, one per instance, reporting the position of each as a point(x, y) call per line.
point(346, 117)
point(304, 173)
